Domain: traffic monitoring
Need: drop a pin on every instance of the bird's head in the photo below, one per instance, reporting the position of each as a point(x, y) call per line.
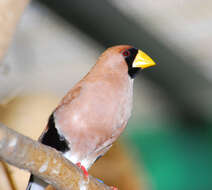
point(128, 58)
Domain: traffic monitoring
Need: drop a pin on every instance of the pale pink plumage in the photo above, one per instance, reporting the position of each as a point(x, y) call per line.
point(93, 114)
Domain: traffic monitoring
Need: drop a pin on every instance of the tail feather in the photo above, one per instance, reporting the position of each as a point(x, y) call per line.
point(36, 184)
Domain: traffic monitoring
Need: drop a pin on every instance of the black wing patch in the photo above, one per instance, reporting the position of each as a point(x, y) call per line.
point(53, 139)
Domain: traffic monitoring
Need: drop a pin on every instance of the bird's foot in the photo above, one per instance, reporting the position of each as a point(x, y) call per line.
point(85, 172)
point(113, 188)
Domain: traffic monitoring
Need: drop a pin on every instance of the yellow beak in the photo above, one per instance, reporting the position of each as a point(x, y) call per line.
point(142, 60)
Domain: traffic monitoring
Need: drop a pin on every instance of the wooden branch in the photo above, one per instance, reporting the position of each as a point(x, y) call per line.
point(44, 162)
point(10, 12)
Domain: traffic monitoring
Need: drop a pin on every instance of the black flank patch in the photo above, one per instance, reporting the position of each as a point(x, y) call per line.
point(53, 139)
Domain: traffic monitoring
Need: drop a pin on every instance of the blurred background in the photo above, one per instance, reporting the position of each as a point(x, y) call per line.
point(167, 144)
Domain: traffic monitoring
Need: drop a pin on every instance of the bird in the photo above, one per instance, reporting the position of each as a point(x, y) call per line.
point(94, 113)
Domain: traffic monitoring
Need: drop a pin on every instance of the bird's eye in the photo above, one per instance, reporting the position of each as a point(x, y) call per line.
point(126, 53)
